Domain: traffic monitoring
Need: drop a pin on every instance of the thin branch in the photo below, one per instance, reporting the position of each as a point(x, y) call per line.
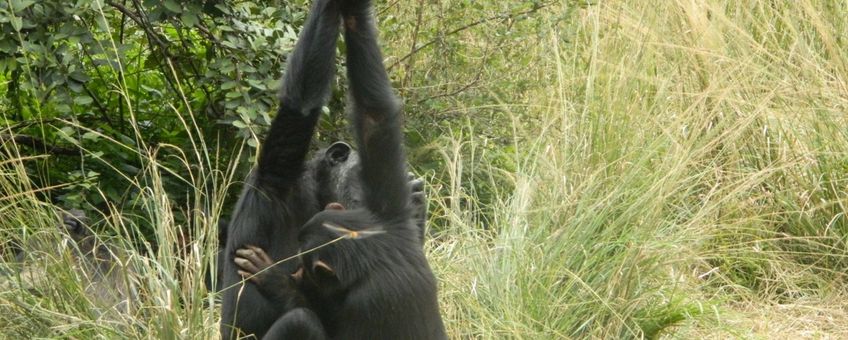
point(207, 33)
point(455, 92)
point(501, 17)
point(38, 144)
point(27, 123)
point(467, 86)
point(386, 8)
point(104, 113)
point(152, 35)
point(411, 60)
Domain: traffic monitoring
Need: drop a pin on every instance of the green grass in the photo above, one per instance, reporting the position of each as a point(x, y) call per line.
point(666, 169)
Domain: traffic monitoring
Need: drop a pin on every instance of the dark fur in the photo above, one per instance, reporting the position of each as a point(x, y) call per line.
point(374, 283)
point(285, 191)
point(280, 195)
point(300, 324)
point(341, 182)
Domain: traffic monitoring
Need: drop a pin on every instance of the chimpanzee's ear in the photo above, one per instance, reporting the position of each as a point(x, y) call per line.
point(340, 231)
point(338, 152)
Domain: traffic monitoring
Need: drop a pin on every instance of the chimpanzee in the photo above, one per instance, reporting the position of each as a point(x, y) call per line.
point(285, 190)
point(363, 273)
point(351, 194)
point(75, 225)
point(108, 285)
point(340, 184)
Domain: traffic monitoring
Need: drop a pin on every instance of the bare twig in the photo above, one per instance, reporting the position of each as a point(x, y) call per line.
point(387, 7)
point(201, 27)
point(467, 86)
point(152, 35)
point(467, 26)
point(38, 144)
point(411, 60)
point(104, 112)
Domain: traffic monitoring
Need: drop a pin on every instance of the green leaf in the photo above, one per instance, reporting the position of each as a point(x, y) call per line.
point(172, 6)
point(227, 67)
point(8, 46)
point(102, 23)
point(228, 85)
point(79, 76)
point(20, 5)
point(189, 19)
point(248, 114)
point(17, 23)
point(67, 133)
point(83, 100)
point(90, 136)
point(76, 87)
point(257, 84)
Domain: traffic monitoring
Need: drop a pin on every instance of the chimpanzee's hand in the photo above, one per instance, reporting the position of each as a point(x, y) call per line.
point(252, 262)
point(418, 201)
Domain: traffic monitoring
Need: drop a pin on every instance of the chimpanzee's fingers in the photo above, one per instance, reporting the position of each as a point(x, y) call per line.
point(416, 185)
point(252, 256)
point(249, 276)
point(417, 198)
point(246, 260)
point(246, 265)
point(263, 256)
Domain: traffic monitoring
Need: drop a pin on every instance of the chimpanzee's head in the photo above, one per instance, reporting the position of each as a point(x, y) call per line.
point(332, 243)
point(337, 173)
point(75, 223)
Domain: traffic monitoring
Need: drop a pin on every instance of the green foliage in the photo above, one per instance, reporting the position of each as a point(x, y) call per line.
point(101, 84)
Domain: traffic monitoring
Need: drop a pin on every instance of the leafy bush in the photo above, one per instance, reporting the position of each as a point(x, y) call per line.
point(100, 85)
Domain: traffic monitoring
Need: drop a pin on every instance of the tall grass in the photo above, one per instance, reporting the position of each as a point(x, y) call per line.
point(144, 292)
point(677, 168)
point(690, 173)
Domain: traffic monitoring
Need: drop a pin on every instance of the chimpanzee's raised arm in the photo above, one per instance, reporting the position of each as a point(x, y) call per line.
point(278, 198)
point(376, 116)
point(366, 275)
point(306, 88)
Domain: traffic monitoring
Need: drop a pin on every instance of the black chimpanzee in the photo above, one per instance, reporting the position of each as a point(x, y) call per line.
point(335, 164)
point(286, 190)
point(366, 276)
point(101, 263)
point(283, 191)
point(350, 194)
